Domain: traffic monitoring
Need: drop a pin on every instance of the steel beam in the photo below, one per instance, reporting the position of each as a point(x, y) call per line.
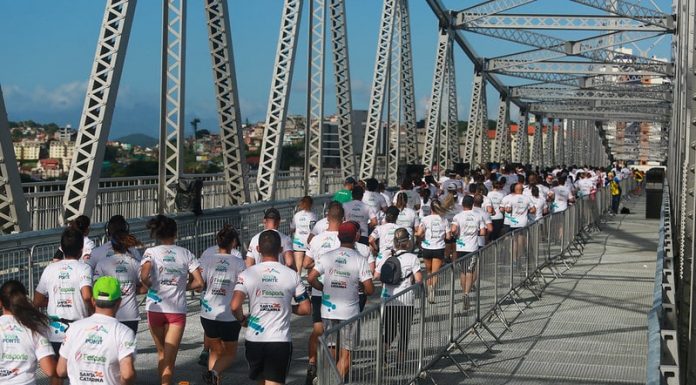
point(14, 216)
point(314, 137)
point(344, 106)
point(394, 107)
point(549, 150)
point(377, 94)
point(555, 22)
point(227, 100)
point(95, 122)
point(477, 86)
point(632, 11)
point(271, 146)
point(483, 144)
point(501, 129)
point(537, 158)
point(407, 87)
point(433, 118)
point(522, 145)
point(452, 115)
point(580, 68)
point(563, 93)
point(560, 142)
point(487, 8)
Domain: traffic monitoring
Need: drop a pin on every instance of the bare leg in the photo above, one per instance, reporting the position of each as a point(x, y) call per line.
point(299, 258)
point(225, 357)
point(172, 340)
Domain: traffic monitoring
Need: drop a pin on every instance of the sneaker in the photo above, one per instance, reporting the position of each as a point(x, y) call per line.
point(207, 377)
point(431, 296)
point(203, 358)
point(214, 378)
point(311, 374)
point(466, 302)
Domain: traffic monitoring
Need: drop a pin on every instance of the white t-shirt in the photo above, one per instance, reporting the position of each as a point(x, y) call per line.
point(435, 228)
point(585, 187)
point(87, 247)
point(408, 219)
point(270, 287)
point(126, 269)
point(214, 250)
point(540, 205)
point(321, 244)
point(409, 266)
point(469, 224)
point(171, 266)
point(61, 282)
point(561, 197)
point(20, 349)
point(425, 209)
point(94, 347)
point(343, 270)
point(376, 201)
point(302, 222)
point(412, 198)
point(359, 212)
point(520, 205)
point(321, 226)
point(365, 252)
point(106, 251)
point(220, 272)
point(486, 218)
point(253, 252)
point(385, 234)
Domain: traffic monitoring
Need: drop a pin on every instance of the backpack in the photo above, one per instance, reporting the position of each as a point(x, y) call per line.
point(391, 273)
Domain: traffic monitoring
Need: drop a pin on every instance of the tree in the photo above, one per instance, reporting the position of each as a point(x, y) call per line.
point(202, 133)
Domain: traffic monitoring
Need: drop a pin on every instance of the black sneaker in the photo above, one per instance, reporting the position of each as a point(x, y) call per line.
point(466, 302)
point(203, 358)
point(207, 377)
point(311, 374)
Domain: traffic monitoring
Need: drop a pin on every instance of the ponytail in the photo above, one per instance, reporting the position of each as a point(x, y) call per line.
point(122, 241)
point(13, 297)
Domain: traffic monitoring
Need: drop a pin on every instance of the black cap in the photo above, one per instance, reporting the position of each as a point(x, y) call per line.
point(271, 213)
point(350, 180)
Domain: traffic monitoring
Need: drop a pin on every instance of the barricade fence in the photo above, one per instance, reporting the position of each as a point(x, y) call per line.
point(398, 340)
point(24, 256)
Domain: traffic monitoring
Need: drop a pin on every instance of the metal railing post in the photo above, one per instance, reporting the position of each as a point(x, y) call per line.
point(421, 343)
point(451, 303)
point(379, 365)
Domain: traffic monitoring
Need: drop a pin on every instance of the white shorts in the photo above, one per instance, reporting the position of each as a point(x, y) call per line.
point(348, 336)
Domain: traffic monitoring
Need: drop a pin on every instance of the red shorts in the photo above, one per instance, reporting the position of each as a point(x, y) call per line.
point(158, 320)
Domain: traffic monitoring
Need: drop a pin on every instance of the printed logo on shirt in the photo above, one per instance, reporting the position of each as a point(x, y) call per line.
point(222, 266)
point(342, 260)
point(170, 257)
point(94, 339)
point(9, 372)
point(273, 306)
point(63, 290)
point(12, 328)
point(15, 357)
point(206, 305)
point(10, 338)
point(325, 301)
point(64, 303)
point(340, 273)
point(269, 293)
point(91, 376)
point(173, 281)
point(152, 295)
point(254, 324)
point(90, 358)
point(339, 284)
point(269, 275)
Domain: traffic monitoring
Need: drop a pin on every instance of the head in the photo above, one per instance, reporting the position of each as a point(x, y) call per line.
point(518, 188)
point(392, 214)
point(468, 202)
point(306, 203)
point(121, 239)
point(106, 295)
point(349, 183)
point(357, 193)
point(473, 187)
point(335, 214)
point(271, 219)
point(402, 239)
point(14, 301)
point(401, 200)
point(406, 184)
point(535, 191)
point(162, 228)
point(437, 208)
point(117, 223)
point(478, 200)
point(269, 244)
point(71, 242)
point(81, 223)
point(228, 238)
point(348, 233)
point(371, 184)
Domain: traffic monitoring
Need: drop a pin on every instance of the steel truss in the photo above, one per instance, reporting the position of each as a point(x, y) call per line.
point(452, 156)
point(394, 106)
point(560, 142)
point(537, 146)
point(407, 87)
point(580, 68)
point(501, 150)
point(278, 100)
point(556, 22)
point(14, 216)
point(315, 98)
point(483, 144)
point(227, 99)
point(522, 141)
point(95, 122)
point(477, 87)
point(558, 93)
point(433, 121)
point(549, 150)
point(341, 67)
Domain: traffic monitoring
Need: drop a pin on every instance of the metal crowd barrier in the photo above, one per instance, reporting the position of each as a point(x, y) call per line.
point(398, 340)
point(663, 350)
point(24, 256)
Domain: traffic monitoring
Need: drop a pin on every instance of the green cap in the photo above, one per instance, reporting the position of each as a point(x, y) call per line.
point(106, 289)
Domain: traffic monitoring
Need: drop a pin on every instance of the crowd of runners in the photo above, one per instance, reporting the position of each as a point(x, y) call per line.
point(84, 315)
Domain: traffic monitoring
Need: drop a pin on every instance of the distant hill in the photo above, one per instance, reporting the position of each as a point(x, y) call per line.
point(139, 140)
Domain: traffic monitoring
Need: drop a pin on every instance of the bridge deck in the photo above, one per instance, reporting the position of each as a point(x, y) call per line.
point(590, 327)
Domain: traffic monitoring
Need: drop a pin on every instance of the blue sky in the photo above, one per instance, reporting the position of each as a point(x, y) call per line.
point(47, 48)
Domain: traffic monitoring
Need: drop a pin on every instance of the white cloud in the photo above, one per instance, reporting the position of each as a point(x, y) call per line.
point(64, 97)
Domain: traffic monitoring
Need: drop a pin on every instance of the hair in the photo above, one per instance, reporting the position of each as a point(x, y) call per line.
point(162, 227)
point(13, 296)
point(498, 184)
point(478, 200)
point(436, 208)
point(402, 239)
point(269, 243)
point(105, 303)
point(450, 200)
point(473, 187)
point(429, 179)
point(535, 191)
point(358, 192)
point(228, 237)
point(71, 242)
point(81, 224)
point(401, 200)
point(468, 202)
point(392, 214)
point(424, 194)
point(122, 241)
point(371, 184)
point(306, 203)
point(117, 223)
point(335, 212)
point(407, 184)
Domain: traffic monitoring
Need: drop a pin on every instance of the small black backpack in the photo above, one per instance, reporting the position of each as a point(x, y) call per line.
point(391, 274)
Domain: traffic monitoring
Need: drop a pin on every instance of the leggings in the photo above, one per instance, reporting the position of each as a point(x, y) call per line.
point(398, 319)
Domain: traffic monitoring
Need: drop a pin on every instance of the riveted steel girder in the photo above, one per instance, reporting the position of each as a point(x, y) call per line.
point(488, 7)
point(407, 87)
point(95, 122)
point(271, 145)
point(14, 216)
point(477, 87)
point(559, 93)
point(522, 140)
point(444, 45)
point(580, 68)
point(632, 11)
point(315, 98)
point(555, 22)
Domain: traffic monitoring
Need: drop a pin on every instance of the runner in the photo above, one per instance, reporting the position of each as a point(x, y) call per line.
point(359, 211)
point(344, 271)
point(81, 224)
point(220, 270)
point(385, 235)
point(117, 225)
point(167, 271)
point(65, 289)
point(432, 230)
point(408, 218)
point(99, 348)
point(23, 342)
point(374, 199)
point(466, 227)
point(301, 226)
point(271, 221)
point(270, 286)
point(122, 264)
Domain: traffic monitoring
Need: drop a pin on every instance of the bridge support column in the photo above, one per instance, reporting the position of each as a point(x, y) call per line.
point(407, 87)
point(394, 106)
point(433, 133)
point(560, 138)
point(549, 149)
point(502, 130)
point(522, 149)
point(451, 145)
point(315, 99)
point(537, 146)
point(13, 208)
point(472, 130)
point(483, 144)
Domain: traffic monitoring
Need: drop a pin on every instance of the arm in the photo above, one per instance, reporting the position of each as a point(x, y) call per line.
point(86, 293)
point(127, 370)
point(368, 286)
point(40, 300)
point(308, 262)
point(313, 279)
point(303, 308)
point(145, 274)
point(48, 366)
point(62, 368)
point(420, 231)
point(418, 276)
point(289, 259)
point(373, 244)
point(236, 306)
point(197, 283)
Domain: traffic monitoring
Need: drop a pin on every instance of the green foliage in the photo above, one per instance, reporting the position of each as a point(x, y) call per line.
point(136, 168)
point(292, 156)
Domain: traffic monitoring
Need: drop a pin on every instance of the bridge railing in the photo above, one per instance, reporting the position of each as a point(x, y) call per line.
point(24, 256)
point(663, 346)
point(402, 337)
point(137, 196)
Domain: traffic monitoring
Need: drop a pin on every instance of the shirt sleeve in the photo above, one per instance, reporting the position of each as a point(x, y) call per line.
point(319, 267)
point(372, 213)
point(42, 286)
point(375, 233)
point(127, 343)
point(415, 264)
point(191, 261)
point(42, 347)
point(365, 274)
point(86, 277)
point(287, 243)
point(147, 257)
point(240, 284)
point(300, 289)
